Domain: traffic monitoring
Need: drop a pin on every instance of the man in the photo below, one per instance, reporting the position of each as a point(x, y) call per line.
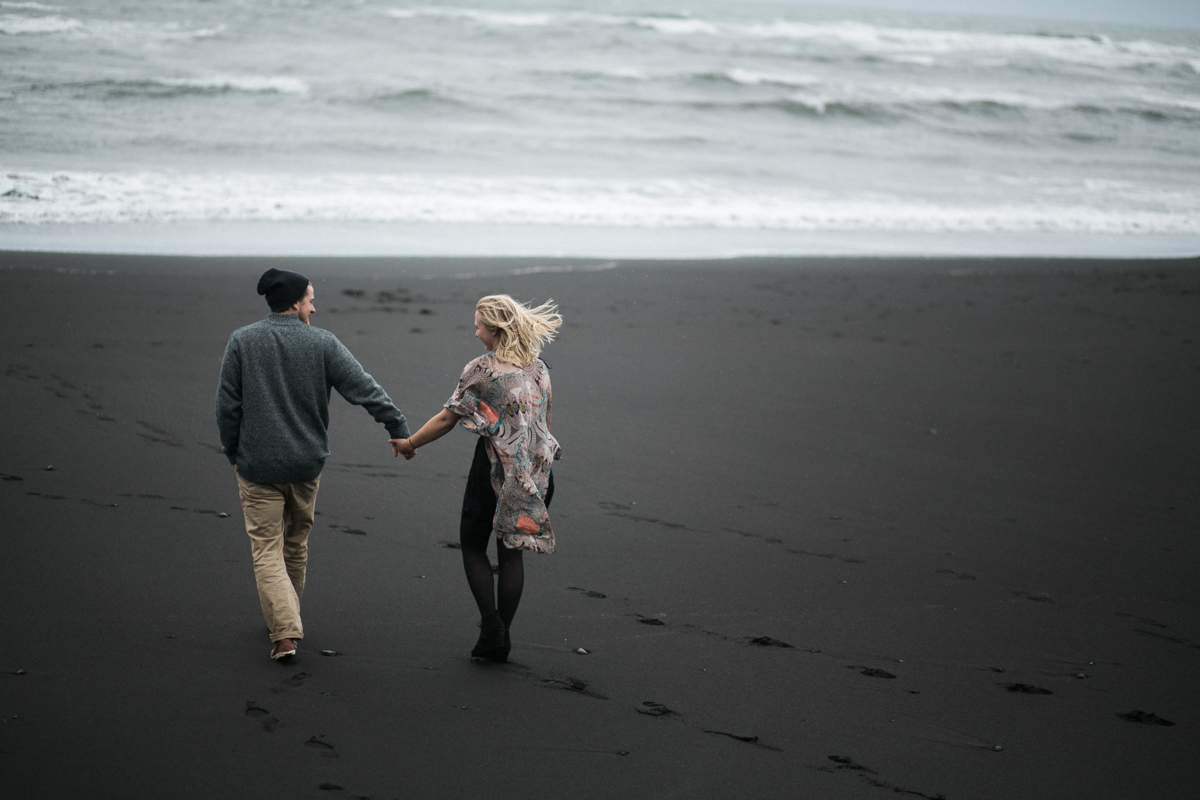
point(273, 417)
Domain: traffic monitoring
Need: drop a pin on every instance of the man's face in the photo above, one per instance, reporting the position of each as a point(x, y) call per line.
point(305, 306)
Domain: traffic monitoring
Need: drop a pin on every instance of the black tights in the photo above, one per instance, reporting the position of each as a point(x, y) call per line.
point(473, 535)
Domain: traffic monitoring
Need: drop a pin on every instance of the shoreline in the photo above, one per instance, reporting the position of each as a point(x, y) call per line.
point(469, 267)
point(480, 240)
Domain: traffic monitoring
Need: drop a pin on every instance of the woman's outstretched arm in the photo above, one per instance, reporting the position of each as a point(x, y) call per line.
point(436, 428)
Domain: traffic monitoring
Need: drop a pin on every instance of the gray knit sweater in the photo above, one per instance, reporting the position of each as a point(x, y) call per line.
point(273, 398)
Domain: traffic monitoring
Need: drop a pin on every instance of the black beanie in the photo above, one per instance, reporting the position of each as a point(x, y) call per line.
point(282, 288)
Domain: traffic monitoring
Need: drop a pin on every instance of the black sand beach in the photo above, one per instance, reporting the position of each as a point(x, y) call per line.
point(827, 528)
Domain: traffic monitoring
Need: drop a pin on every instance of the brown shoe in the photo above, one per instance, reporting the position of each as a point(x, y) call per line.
point(284, 648)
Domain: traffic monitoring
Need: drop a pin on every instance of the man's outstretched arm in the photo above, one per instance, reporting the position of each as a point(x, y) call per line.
point(229, 401)
point(358, 387)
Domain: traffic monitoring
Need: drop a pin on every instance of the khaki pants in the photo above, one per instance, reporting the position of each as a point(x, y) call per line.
point(279, 517)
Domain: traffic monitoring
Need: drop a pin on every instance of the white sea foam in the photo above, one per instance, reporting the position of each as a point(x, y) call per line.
point(14, 25)
point(920, 59)
point(818, 104)
point(91, 197)
point(31, 6)
point(122, 33)
point(494, 18)
point(240, 83)
point(752, 78)
point(904, 93)
point(888, 97)
point(672, 25)
point(916, 45)
point(558, 268)
point(907, 45)
point(1164, 101)
point(924, 43)
point(177, 32)
point(600, 71)
point(818, 97)
point(628, 73)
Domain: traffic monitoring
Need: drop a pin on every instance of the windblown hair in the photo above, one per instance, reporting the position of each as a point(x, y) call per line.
point(522, 331)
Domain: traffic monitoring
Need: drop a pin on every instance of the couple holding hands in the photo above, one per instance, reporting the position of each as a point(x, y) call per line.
point(272, 410)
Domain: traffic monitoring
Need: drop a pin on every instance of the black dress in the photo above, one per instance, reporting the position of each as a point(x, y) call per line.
point(479, 500)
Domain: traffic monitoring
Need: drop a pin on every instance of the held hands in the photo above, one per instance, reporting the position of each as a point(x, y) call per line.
point(436, 428)
point(403, 447)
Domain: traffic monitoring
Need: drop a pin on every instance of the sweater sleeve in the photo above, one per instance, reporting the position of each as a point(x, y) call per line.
point(229, 401)
point(358, 387)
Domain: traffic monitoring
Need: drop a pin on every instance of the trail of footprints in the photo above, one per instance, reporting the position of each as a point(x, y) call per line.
point(1156, 634)
point(838, 763)
point(651, 708)
point(268, 723)
point(867, 775)
point(99, 504)
point(89, 406)
point(659, 711)
point(625, 512)
point(146, 497)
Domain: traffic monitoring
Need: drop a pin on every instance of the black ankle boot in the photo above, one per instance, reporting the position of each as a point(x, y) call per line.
point(492, 635)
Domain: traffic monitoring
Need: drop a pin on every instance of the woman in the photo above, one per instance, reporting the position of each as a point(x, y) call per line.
point(504, 397)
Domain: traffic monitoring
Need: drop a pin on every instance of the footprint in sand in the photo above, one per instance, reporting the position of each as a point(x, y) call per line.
point(158, 435)
point(94, 411)
point(747, 739)
point(767, 641)
point(653, 709)
point(1163, 636)
point(262, 715)
point(865, 773)
point(294, 682)
point(749, 535)
point(1025, 688)
point(844, 762)
point(619, 509)
point(325, 748)
point(1146, 718)
point(962, 576)
point(572, 685)
point(587, 592)
point(872, 672)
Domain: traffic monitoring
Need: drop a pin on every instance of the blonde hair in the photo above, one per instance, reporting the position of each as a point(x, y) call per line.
point(522, 331)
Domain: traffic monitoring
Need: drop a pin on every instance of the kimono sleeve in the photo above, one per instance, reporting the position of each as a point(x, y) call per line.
point(468, 402)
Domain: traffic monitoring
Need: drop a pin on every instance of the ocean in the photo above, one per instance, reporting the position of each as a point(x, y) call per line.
point(590, 129)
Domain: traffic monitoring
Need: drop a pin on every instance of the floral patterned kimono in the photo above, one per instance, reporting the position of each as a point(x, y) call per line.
point(509, 406)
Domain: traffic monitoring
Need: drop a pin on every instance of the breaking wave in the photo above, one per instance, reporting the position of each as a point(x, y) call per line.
point(93, 197)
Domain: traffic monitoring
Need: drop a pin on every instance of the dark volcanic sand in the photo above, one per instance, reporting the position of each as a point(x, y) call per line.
point(964, 492)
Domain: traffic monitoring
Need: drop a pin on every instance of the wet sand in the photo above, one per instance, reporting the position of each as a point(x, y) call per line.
point(826, 528)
